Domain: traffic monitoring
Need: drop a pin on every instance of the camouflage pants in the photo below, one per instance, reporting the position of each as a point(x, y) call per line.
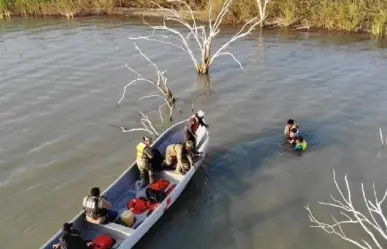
point(171, 159)
point(145, 167)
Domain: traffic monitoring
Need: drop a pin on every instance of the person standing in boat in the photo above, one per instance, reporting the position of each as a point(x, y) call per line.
point(193, 125)
point(182, 154)
point(144, 156)
point(98, 209)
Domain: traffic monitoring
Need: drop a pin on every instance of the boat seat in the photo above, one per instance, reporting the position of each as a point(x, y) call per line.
point(118, 228)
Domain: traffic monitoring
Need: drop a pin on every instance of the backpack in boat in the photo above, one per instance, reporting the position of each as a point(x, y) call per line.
point(103, 242)
point(71, 240)
point(157, 160)
point(155, 196)
point(92, 209)
point(139, 205)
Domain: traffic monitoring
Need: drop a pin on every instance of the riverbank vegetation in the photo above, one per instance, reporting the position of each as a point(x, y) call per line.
point(346, 15)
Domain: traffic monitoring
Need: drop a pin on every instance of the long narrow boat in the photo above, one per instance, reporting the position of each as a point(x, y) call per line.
point(120, 192)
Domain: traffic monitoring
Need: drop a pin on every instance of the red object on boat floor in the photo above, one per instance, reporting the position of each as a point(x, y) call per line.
point(103, 242)
point(159, 185)
point(139, 205)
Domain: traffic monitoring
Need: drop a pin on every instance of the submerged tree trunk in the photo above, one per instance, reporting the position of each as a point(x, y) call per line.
point(262, 5)
point(203, 69)
point(205, 66)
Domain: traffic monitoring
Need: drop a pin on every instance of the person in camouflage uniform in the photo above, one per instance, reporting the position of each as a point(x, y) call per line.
point(182, 154)
point(143, 159)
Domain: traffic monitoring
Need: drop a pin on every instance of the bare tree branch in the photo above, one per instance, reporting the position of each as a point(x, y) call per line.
point(262, 4)
point(351, 215)
point(161, 84)
point(148, 126)
point(146, 123)
point(163, 91)
point(203, 36)
point(235, 59)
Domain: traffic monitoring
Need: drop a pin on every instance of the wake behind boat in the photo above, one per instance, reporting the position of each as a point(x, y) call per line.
point(123, 190)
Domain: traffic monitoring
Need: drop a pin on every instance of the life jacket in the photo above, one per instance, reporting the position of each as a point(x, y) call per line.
point(92, 209)
point(304, 145)
point(158, 191)
point(139, 205)
point(301, 147)
point(160, 185)
point(103, 242)
point(140, 151)
point(71, 240)
point(163, 186)
point(192, 124)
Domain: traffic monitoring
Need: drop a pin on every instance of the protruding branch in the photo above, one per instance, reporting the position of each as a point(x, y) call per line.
point(146, 123)
point(161, 84)
point(351, 215)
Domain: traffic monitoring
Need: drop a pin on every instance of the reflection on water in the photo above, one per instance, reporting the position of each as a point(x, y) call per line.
point(60, 81)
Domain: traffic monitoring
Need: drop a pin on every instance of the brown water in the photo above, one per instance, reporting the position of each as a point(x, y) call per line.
point(59, 84)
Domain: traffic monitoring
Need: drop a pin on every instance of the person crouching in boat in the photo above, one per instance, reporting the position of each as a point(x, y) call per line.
point(182, 154)
point(301, 144)
point(144, 156)
point(72, 239)
point(98, 209)
point(289, 126)
point(193, 125)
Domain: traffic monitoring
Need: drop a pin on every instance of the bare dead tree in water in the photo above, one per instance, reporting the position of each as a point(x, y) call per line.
point(163, 91)
point(262, 6)
point(374, 224)
point(203, 35)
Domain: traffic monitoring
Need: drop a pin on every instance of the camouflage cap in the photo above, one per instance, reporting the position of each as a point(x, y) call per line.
point(147, 139)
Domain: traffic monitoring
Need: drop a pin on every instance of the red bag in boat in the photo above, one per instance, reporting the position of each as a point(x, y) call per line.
point(103, 242)
point(139, 205)
point(159, 185)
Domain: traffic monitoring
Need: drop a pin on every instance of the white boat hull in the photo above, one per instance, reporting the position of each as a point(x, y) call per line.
point(123, 190)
